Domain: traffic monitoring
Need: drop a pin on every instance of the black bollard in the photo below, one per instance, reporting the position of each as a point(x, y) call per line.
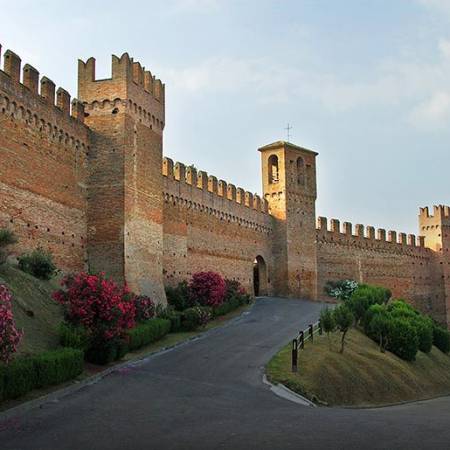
point(294, 355)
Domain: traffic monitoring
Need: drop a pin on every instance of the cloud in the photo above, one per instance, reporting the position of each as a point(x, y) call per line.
point(419, 91)
point(433, 113)
point(194, 6)
point(436, 5)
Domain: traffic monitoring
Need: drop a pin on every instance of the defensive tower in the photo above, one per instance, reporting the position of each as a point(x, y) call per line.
point(436, 229)
point(125, 114)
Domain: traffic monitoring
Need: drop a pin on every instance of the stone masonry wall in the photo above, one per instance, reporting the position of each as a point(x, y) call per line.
point(43, 150)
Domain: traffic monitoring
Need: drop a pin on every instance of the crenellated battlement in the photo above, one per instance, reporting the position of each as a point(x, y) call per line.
point(188, 177)
point(335, 232)
point(21, 88)
point(441, 213)
point(130, 83)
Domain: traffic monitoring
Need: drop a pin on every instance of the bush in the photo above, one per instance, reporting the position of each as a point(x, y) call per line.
point(7, 238)
point(207, 289)
point(38, 263)
point(145, 308)
point(173, 316)
point(344, 320)
point(46, 369)
point(422, 324)
point(178, 296)
point(148, 332)
point(104, 352)
point(232, 289)
point(196, 317)
point(9, 335)
point(441, 338)
point(424, 330)
point(101, 307)
point(377, 322)
point(402, 338)
point(73, 336)
point(364, 297)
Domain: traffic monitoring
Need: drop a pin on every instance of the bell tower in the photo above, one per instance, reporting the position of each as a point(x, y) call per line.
point(289, 186)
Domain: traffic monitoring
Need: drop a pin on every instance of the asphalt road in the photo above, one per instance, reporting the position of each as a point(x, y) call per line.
point(209, 394)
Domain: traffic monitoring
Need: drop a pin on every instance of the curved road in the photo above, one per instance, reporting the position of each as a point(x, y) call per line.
point(209, 394)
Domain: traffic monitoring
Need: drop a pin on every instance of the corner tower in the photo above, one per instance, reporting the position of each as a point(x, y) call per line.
point(435, 228)
point(125, 114)
point(289, 186)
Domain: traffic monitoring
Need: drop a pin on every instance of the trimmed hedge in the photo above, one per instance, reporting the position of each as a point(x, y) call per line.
point(72, 336)
point(230, 305)
point(45, 369)
point(402, 339)
point(148, 332)
point(441, 338)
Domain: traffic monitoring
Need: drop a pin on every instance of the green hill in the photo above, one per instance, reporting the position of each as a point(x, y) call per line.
point(362, 375)
point(34, 310)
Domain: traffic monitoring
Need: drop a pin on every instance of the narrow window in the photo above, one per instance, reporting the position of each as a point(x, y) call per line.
point(273, 169)
point(300, 171)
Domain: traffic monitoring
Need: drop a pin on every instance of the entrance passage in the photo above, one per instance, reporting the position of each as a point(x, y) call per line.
point(259, 276)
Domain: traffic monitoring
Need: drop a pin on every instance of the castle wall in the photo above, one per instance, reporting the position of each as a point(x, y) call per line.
point(211, 225)
point(43, 173)
point(399, 262)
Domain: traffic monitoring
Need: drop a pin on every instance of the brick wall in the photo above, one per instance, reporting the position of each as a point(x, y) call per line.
point(43, 174)
point(399, 262)
point(211, 225)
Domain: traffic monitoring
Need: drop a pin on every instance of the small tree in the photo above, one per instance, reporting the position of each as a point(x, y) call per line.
point(327, 323)
point(344, 320)
point(7, 238)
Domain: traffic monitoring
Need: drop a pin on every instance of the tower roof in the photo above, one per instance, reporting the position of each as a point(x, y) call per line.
point(278, 144)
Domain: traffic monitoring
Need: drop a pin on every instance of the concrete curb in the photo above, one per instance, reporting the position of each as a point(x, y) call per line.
point(57, 395)
point(284, 392)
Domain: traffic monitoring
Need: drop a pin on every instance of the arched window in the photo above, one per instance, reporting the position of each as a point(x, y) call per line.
point(273, 169)
point(300, 171)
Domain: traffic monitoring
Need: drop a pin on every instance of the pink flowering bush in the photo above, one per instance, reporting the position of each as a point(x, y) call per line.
point(9, 335)
point(99, 305)
point(145, 308)
point(207, 288)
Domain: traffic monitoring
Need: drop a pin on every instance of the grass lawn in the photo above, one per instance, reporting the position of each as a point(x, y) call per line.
point(34, 310)
point(362, 375)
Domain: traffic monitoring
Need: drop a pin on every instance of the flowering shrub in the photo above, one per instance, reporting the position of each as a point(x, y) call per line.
point(99, 305)
point(9, 335)
point(341, 290)
point(145, 308)
point(207, 288)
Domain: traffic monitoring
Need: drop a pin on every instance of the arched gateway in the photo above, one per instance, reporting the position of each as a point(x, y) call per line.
point(259, 276)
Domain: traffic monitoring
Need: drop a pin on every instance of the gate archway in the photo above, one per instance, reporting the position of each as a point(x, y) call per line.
point(259, 276)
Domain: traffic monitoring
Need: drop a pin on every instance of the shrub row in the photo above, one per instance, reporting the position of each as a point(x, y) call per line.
point(148, 332)
point(25, 374)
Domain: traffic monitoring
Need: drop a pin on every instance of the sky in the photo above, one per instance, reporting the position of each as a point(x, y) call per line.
point(365, 83)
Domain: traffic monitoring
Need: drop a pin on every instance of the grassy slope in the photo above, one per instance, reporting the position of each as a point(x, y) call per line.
point(362, 376)
point(34, 310)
